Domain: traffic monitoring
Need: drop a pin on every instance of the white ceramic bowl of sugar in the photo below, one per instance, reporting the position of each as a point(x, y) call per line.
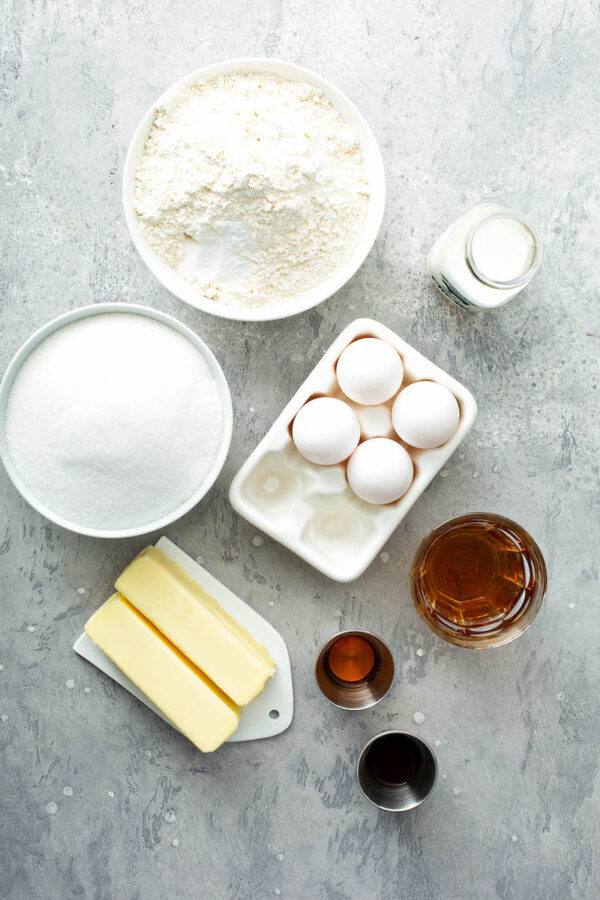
point(373, 162)
point(86, 312)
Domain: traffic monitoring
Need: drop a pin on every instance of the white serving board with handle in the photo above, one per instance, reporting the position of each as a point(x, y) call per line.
point(310, 509)
point(272, 711)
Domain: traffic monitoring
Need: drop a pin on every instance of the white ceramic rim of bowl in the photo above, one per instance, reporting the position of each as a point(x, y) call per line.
point(85, 312)
point(302, 302)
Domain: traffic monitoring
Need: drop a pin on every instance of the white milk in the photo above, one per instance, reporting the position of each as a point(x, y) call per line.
point(486, 257)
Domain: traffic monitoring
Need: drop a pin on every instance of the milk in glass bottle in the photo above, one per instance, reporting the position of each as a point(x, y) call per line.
point(486, 257)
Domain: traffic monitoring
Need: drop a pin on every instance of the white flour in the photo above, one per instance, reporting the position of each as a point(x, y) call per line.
point(253, 187)
point(114, 421)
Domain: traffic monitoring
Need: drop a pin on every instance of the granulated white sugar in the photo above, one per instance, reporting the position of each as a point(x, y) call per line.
point(114, 421)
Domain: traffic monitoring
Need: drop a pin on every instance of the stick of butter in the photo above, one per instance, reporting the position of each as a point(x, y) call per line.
point(186, 696)
point(197, 625)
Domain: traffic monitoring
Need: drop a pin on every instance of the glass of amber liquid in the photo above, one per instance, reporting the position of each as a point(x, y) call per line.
point(478, 580)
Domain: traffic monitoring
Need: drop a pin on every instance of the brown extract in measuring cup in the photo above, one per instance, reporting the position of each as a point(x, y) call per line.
point(351, 658)
point(393, 759)
point(354, 669)
point(396, 770)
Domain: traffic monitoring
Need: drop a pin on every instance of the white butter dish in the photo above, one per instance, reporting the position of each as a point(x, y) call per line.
point(309, 508)
point(268, 714)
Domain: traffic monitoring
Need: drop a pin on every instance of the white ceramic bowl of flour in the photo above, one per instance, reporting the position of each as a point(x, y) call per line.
point(373, 163)
point(207, 367)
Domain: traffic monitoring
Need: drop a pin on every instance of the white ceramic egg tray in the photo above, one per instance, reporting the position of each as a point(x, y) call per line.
point(272, 711)
point(311, 509)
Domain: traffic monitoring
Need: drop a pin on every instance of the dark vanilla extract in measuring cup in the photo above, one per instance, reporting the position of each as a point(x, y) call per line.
point(393, 759)
point(478, 580)
point(396, 771)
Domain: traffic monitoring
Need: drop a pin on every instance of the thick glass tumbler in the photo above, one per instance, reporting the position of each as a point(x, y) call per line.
point(478, 580)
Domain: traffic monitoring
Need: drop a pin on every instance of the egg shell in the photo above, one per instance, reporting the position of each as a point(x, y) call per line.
point(380, 471)
point(369, 371)
point(326, 431)
point(425, 414)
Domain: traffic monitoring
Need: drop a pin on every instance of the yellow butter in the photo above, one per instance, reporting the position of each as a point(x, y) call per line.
point(197, 624)
point(180, 690)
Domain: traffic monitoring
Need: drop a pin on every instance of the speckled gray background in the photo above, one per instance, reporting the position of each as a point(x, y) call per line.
point(469, 102)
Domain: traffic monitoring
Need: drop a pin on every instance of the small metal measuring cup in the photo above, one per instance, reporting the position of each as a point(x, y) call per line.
point(401, 784)
point(361, 694)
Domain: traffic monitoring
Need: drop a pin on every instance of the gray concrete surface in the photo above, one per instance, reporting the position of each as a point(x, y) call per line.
point(469, 101)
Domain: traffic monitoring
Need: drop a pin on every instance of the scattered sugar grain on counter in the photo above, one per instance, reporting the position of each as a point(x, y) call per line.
point(170, 816)
point(571, 606)
point(420, 652)
point(437, 743)
point(456, 791)
point(384, 557)
point(3, 718)
point(1, 668)
point(560, 695)
point(81, 590)
point(31, 628)
point(70, 684)
point(111, 794)
point(475, 475)
point(497, 469)
point(418, 718)
point(277, 891)
point(87, 690)
point(514, 838)
point(175, 842)
point(258, 540)
point(280, 857)
point(271, 603)
point(51, 808)
point(68, 791)
point(200, 560)
point(444, 473)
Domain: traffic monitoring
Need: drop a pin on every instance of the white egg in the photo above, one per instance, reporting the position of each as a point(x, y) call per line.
point(425, 414)
point(326, 431)
point(380, 471)
point(369, 371)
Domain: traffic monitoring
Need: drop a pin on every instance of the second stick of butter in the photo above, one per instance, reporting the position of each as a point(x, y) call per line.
point(197, 625)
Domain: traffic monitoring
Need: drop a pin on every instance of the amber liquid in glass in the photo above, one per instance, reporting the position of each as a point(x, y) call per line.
point(476, 578)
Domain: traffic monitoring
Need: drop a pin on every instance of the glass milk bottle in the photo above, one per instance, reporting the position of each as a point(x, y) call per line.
point(486, 257)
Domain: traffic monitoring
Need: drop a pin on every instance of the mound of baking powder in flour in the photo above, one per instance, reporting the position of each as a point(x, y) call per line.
point(253, 187)
point(114, 421)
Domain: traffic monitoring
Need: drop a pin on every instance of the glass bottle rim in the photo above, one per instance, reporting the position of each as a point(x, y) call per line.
point(536, 259)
